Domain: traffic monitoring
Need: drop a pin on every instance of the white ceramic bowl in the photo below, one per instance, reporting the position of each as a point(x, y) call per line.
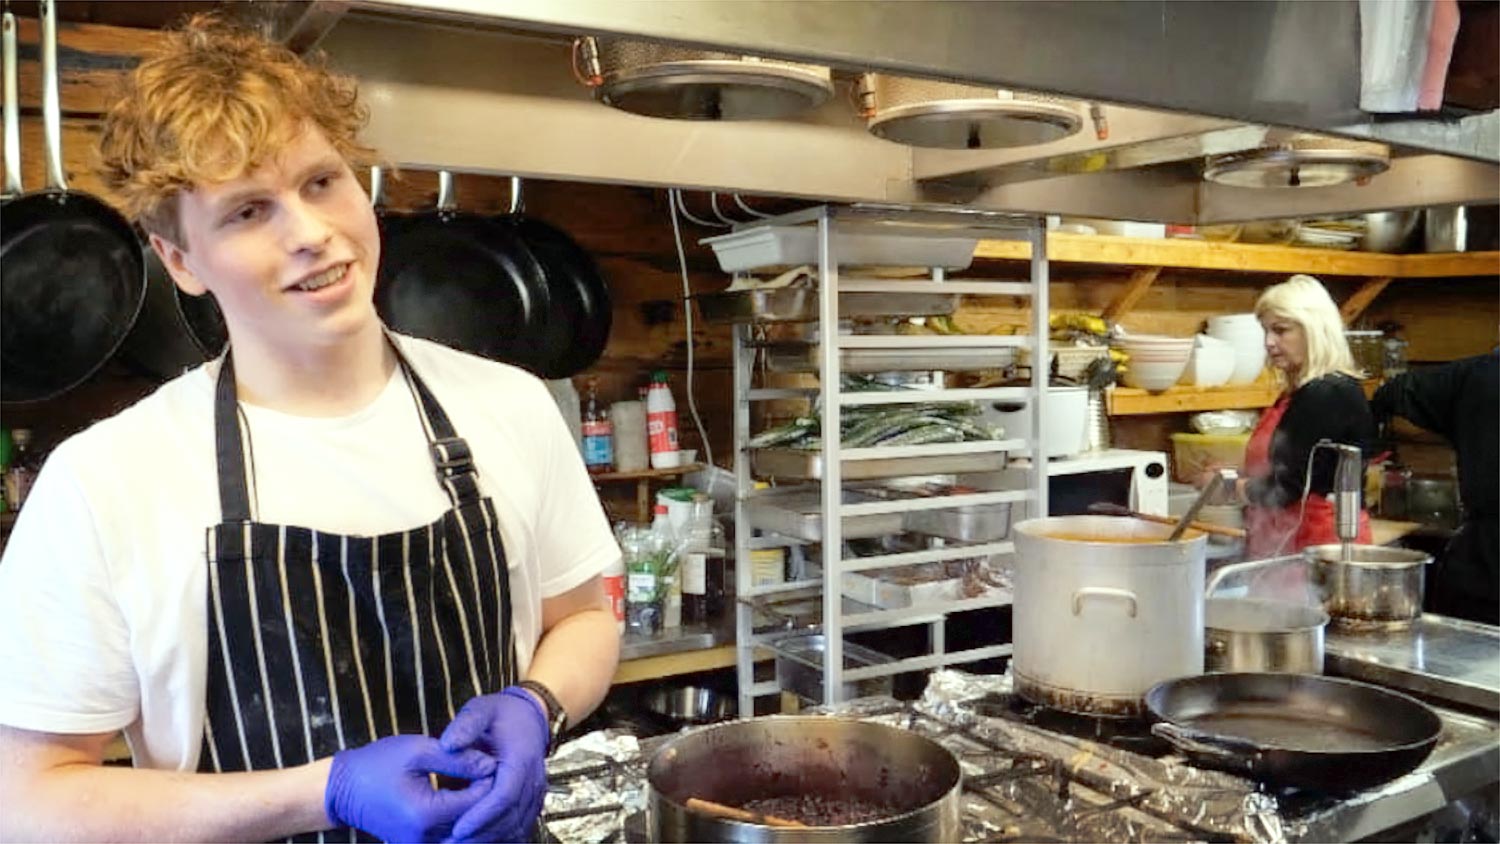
point(1211, 365)
point(1226, 320)
point(1248, 362)
point(1153, 375)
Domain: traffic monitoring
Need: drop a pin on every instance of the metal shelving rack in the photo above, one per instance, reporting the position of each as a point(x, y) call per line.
point(840, 614)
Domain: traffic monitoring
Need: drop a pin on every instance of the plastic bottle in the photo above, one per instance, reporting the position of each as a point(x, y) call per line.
point(598, 439)
point(661, 423)
point(702, 564)
point(614, 589)
point(628, 419)
point(669, 584)
point(642, 600)
point(24, 464)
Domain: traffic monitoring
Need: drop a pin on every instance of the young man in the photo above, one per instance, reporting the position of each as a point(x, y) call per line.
point(307, 576)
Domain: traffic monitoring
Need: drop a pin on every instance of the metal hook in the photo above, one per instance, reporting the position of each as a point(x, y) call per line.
point(517, 201)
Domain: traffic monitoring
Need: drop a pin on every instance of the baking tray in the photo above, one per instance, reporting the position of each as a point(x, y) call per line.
point(800, 464)
point(800, 304)
point(975, 523)
point(1449, 659)
point(799, 514)
point(805, 359)
point(904, 586)
point(799, 667)
point(766, 247)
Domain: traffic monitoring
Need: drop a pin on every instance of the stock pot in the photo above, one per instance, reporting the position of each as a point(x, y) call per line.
point(914, 781)
point(1105, 608)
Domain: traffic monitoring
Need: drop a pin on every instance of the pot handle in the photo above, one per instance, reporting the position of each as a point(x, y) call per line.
point(1104, 592)
point(1222, 750)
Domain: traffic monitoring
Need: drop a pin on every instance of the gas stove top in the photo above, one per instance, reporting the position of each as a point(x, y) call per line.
point(1036, 774)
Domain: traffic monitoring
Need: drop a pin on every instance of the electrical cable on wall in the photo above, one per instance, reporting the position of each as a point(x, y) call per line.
point(713, 203)
point(751, 211)
point(674, 198)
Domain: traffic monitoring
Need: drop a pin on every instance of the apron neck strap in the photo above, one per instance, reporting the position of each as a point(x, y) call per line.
point(449, 452)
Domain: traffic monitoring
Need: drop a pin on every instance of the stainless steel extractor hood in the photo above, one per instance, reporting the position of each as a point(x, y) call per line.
point(486, 86)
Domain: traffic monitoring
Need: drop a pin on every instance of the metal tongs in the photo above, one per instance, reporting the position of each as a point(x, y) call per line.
point(1221, 478)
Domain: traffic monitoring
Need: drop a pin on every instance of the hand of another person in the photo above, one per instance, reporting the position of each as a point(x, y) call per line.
point(384, 787)
point(510, 725)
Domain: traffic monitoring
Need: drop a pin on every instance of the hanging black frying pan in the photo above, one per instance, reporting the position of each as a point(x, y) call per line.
point(580, 315)
point(72, 277)
point(1295, 730)
point(161, 344)
point(465, 281)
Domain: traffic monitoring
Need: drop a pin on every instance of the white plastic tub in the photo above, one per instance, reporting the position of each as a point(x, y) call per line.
point(769, 247)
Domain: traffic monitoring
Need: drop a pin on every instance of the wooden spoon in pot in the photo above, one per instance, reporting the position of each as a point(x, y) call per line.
point(719, 810)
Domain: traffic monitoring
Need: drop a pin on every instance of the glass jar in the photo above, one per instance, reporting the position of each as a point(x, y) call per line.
point(1367, 351)
point(1393, 357)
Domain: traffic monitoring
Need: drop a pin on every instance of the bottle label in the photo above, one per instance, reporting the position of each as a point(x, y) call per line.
point(598, 445)
point(661, 429)
point(695, 574)
point(614, 589)
point(640, 587)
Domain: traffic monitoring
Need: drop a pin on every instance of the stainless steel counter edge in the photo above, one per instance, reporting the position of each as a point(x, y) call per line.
point(1458, 771)
point(675, 640)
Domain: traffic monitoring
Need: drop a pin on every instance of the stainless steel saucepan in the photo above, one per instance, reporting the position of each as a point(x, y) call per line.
point(1246, 634)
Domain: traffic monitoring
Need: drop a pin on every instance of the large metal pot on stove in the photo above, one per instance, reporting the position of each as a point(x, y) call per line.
point(1105, 608)
point(830, 766)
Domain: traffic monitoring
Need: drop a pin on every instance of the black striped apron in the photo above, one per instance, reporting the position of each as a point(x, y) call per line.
point(318, 642)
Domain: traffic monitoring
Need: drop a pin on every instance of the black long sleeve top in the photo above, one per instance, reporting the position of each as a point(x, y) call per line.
point(1459, 401)
point(1332, 407)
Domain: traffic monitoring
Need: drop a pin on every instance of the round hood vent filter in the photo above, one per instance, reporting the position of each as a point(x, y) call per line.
point(947, 115)
point(1304, 161)
point(659, 80)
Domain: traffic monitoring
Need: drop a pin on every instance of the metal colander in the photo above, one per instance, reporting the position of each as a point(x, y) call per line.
point(949, 115)
point(660, 80)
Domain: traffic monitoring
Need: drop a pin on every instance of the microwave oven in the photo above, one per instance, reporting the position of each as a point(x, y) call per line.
point(1129, 478)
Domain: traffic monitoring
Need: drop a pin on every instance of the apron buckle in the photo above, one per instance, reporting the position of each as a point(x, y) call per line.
point(452, 457)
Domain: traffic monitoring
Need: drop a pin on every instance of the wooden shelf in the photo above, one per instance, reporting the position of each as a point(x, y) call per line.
point(645, 474)
point(1128, 401)
point(1242, 257)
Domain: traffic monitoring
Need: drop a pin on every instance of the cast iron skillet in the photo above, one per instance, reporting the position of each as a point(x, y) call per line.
point(161, 344)
point(465, 281)
point(580, 313)
point(72, 277)
point(1295, 730)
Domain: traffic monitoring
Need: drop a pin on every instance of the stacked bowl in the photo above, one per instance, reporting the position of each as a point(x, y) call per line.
point(1156, 362)
point(1244, 334)
point(1212, 362)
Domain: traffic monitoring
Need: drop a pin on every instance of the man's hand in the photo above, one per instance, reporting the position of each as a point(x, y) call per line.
point(384, 788)
point(511, 726)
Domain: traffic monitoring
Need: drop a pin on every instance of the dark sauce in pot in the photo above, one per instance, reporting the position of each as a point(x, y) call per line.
point(820, 810)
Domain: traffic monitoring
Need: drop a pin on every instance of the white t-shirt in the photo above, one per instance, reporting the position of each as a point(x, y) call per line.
point(103, 583)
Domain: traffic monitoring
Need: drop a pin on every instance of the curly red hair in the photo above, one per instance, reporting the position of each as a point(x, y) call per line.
point(212, 103)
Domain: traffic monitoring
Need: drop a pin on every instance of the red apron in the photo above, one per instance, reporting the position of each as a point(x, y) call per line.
point(1272, 531)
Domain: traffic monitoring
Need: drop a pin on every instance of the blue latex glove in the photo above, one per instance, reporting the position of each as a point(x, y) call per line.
point(383, 788)
point(510, 725)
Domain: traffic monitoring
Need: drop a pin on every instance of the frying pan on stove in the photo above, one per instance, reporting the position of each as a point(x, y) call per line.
point(465, 281)
point(72, 276)
point(1295, 730)
point(576, 329)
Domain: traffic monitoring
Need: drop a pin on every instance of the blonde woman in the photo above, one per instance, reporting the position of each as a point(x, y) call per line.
point(1321, 399)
